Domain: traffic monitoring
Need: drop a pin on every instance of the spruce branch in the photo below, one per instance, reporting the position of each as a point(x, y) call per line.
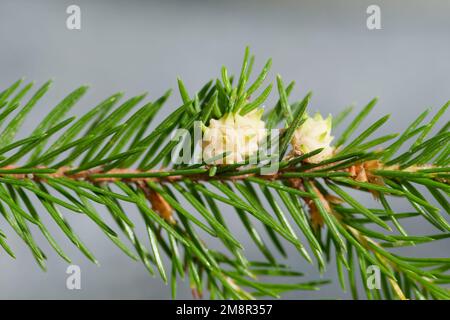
point(113, 155)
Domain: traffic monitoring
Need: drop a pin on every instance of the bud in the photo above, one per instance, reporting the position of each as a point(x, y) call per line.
point(236, 136)
point(313, 134)
point(160, 205)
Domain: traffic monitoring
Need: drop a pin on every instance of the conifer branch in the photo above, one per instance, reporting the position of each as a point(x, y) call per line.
point(309, 201)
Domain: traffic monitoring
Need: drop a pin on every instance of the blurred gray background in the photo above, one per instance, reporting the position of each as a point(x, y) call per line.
point(136, 46)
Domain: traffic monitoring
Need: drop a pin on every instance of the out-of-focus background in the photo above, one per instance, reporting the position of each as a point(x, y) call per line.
point(136, 46)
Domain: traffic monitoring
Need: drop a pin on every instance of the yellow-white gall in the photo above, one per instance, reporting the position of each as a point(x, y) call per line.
point(313, 134)
point(234, 136)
